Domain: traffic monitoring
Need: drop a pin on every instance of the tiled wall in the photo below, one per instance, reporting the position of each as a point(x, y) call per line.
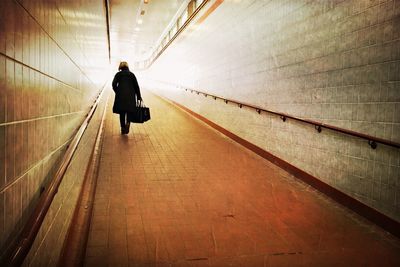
point(337, 62)
point(47, 247)
point(51, 57)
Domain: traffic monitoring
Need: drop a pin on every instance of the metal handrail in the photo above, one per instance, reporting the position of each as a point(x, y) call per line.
point(372, 140)
point(16, 253)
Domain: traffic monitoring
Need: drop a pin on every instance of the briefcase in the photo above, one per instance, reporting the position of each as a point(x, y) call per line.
point(141, 113)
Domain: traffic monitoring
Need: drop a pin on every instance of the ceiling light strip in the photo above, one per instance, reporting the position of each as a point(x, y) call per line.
point(107, 9)
point(189, 19)
point(180, 29)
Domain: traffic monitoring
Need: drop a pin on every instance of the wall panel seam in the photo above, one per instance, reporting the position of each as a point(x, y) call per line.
point(41, 118)
point(58, 45)
point(72, 34)
point(308, 73)
point(10, 184)
point(39, 71)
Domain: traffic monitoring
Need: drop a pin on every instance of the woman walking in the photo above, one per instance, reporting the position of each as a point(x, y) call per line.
point(127, 92)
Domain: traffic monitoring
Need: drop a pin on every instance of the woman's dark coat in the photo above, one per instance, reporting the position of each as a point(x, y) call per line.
point(126, 88)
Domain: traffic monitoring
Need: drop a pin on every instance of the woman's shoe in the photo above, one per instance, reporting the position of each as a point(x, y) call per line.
point(127, 127)
point(123, 131)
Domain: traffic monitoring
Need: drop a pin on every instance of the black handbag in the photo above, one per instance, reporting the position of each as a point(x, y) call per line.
point(141, 113)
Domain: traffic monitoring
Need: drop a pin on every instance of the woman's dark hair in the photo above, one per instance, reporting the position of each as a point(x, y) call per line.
point(123, 65)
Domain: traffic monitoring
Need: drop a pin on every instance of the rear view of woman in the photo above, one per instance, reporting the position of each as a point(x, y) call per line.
point(127, 92)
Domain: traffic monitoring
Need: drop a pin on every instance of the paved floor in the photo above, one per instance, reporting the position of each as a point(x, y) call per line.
point(176, 193)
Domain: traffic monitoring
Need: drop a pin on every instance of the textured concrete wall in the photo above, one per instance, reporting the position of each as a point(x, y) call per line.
point(49, 78)
point(337, 62)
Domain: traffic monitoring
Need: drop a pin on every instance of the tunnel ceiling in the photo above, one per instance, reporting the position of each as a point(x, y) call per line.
point(136, 26)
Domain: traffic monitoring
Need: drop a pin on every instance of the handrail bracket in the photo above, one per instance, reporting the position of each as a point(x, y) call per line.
point(372, 144)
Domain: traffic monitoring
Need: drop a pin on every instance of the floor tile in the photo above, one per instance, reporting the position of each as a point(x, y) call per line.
point(174, 192)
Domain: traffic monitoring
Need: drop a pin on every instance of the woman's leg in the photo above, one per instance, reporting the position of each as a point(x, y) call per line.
point(128, 123)
point(122, 120)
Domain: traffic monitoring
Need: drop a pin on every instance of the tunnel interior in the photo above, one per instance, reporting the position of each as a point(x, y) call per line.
point(311, 86)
